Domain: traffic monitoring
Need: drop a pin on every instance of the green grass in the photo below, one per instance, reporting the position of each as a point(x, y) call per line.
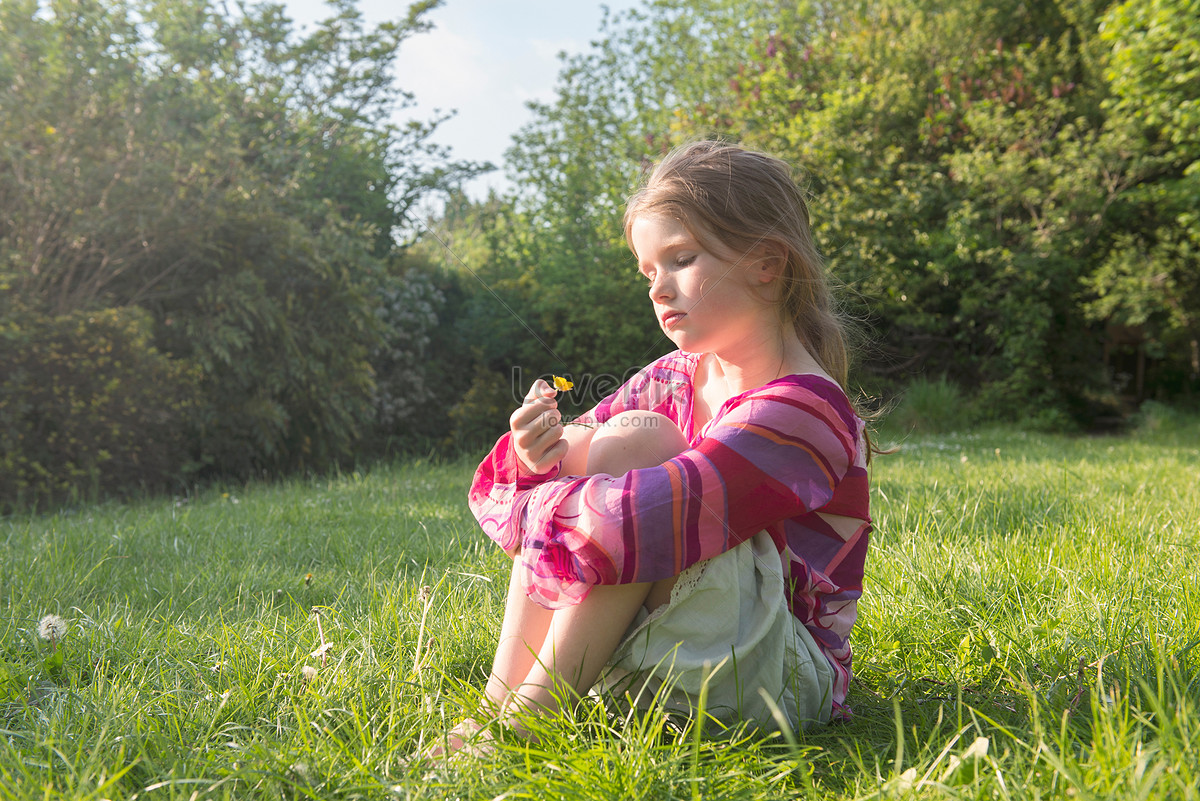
point(1036, 591)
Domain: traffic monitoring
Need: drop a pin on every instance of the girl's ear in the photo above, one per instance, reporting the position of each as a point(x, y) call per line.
point(769, 263)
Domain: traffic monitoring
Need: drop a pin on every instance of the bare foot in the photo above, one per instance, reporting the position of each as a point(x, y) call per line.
point(468, 738)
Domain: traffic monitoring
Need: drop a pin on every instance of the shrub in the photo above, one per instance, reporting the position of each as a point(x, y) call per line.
point(406, 375)
point(931, 406)
point(88, 407)
point(481, 415)
point(1153, 416)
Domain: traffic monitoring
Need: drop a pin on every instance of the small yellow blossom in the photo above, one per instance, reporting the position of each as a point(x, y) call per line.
point(562, 384)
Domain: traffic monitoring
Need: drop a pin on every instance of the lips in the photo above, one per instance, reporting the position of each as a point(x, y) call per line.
point(670, 318)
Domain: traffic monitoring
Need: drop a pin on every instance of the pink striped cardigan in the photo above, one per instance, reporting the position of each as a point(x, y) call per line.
point(770, 459)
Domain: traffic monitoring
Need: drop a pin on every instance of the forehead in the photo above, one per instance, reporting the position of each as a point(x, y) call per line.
point(652, 232)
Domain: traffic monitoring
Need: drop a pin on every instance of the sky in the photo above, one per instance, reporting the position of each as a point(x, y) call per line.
point(485, 59)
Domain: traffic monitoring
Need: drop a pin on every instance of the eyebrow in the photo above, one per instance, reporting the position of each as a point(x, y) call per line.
point(680, 241)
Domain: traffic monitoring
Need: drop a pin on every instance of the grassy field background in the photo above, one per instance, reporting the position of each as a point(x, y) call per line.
point(1028, 630)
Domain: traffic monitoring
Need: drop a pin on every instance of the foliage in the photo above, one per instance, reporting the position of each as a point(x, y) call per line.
point(995, 183)
point(88, 407)
point(931, 407)
point(1034, 590)
point(1150, 278)
point(408, 380)
point(243, 183)
point(954, 188)
point(552, 287)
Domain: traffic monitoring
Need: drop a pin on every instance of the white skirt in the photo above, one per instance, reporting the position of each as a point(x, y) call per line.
point(727, 626)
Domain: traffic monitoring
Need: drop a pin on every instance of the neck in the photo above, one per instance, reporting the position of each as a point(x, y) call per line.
point(767, 357)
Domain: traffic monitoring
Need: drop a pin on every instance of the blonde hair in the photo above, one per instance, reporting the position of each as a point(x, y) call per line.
point(743, 200)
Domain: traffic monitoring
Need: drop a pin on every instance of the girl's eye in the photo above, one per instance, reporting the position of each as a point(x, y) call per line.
point(684, 261)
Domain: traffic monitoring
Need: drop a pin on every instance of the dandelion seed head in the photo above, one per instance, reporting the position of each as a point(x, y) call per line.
point(308, 673)
point(52, 628)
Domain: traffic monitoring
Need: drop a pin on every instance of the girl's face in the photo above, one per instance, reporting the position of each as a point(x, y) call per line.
point(705, 303)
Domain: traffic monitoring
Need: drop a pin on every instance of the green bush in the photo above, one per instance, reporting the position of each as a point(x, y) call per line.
point(481, 416)
point(932, 407)
point(88, 407)
point(1155, 417)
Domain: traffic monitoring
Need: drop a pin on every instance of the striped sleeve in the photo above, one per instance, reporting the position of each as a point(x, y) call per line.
point(777, 452)
point(499, 491)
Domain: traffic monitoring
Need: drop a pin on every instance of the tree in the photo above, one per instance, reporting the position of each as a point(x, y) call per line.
point(1150, 279)
point(561, 283)
point(993, 182)
point(245, 185)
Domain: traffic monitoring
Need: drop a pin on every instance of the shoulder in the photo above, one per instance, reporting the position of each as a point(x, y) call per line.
point(807, 407)
point(817, 392)
point(663, 385)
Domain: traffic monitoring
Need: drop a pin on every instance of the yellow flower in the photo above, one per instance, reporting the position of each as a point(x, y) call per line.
point(562, 384)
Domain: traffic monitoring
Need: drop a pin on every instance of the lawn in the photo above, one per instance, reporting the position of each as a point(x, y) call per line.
point(1028, 630)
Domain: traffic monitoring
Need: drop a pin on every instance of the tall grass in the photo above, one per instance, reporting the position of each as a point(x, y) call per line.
point(1028, 630)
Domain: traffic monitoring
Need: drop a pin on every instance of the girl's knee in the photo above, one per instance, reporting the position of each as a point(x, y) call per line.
point(634, 439)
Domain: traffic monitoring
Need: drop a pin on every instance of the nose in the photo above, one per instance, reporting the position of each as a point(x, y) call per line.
point(660, 287)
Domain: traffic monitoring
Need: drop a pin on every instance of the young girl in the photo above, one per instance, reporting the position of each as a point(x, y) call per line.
point(708, 523)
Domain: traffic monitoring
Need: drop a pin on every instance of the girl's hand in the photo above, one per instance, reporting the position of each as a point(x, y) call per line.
point(537, 433)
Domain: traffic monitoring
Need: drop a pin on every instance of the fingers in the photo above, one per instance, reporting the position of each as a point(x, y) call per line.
point(537, 429)
point(540, 389)
point(550, 457)
point(538, 413)
point(540, 450)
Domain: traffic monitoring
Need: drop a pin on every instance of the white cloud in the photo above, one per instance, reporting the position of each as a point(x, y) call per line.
point(442, 68)
point(484, 59)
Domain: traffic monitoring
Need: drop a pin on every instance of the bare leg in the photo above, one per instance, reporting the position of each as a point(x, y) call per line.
point(546, 656)
point(521, 636)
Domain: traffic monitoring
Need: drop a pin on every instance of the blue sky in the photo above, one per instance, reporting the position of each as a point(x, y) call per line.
point(484, 58)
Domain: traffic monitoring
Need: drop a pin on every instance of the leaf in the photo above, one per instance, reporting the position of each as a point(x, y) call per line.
point(54, 663)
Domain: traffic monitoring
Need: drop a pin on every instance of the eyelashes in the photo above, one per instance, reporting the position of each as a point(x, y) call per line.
point(681, 262)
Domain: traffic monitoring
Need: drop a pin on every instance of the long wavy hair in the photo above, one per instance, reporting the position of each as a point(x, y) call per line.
point(742, 200)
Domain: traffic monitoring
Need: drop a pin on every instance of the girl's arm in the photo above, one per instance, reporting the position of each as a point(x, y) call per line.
point(498, 491)
point(781, 451)
point(578, 437)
